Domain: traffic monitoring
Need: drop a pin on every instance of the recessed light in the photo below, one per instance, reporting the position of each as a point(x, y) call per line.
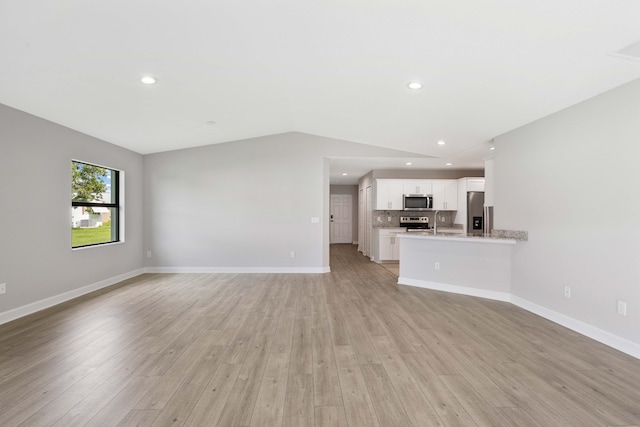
point(408, 163)
point(148, 80)
point(492, 148)
point(344, 174)
point(415, 85)
point(441, 142)
point(448, 164)
point(210, 122)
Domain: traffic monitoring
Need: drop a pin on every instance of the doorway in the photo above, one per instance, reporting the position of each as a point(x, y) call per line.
point(341, 210)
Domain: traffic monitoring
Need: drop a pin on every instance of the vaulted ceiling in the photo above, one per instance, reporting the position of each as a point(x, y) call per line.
point(228, 70)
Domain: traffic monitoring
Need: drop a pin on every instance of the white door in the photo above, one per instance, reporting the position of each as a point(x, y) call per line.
point(367, 221)
point(361, 220)
point(341, 220)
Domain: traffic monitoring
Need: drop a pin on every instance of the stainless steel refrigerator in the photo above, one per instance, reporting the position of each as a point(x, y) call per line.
point(479, 218)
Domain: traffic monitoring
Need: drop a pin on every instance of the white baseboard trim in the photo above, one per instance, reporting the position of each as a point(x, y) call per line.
point(629, 347)
point(25, 310)
point(624, 345)
point(474, 292)
point(312, 270)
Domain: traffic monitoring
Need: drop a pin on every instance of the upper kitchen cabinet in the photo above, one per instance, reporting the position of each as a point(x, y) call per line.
point(389, 194)
point(473, 184)
point(445, 194)
point(417, 186)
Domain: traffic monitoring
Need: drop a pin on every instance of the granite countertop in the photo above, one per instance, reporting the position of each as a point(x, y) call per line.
point(455, 232)
point(460, 237)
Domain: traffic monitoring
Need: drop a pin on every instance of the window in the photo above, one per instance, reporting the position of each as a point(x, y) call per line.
point(95, 205)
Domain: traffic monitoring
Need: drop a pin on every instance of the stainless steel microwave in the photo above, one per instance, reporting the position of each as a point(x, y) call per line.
point(417, 202)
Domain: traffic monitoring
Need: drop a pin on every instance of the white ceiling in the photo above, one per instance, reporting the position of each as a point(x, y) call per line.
point(332, 68)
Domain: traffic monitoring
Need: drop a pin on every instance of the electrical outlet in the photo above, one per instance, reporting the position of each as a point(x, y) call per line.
point(148, 254)
point(567, 291)
point(293, 254)
point(622, 308)
point(437, 266)
point(379, 219)
point(389, 219)
point(3, 288)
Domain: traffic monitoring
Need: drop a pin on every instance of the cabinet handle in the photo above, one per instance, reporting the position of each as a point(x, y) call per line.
point(389, 205)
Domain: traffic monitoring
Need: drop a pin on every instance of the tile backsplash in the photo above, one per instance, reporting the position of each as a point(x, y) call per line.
point(392, 218)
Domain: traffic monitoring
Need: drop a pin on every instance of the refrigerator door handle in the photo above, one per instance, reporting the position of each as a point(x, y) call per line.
point(485, 220)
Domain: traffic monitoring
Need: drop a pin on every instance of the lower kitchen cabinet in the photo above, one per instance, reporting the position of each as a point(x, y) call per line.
point(387, 244)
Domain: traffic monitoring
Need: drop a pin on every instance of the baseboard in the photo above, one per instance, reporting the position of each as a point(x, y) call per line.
point(629, 347)
point(474, 292)
point(43, 304)
point(311, 270)
point(36, 306)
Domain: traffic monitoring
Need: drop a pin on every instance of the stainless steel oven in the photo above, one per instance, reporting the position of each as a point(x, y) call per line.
point(415, 223)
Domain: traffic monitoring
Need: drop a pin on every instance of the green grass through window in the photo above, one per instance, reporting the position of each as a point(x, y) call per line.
point(91, 236)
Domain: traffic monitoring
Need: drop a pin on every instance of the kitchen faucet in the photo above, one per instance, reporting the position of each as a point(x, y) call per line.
point(435, 223)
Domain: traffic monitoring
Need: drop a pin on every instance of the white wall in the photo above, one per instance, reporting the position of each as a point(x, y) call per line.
point(244, 205)
point(571, 180)
point(36, 260)
point(471, 267)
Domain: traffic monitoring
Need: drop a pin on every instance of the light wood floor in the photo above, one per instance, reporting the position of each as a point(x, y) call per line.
point(342, 349)
point(392, 267)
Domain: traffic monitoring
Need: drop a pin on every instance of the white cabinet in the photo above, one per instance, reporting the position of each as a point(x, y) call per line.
point(388, 245)
point(474, 184)
point(445, 194)
point(417, 186)
point(386, 248)
point(389, 194)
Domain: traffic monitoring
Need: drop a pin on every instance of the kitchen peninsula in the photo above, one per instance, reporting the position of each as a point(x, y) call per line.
point(471, 265)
